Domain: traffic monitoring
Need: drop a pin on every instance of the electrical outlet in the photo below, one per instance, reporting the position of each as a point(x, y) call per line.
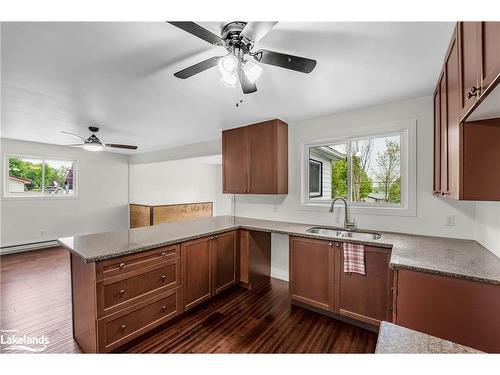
point(450, 220)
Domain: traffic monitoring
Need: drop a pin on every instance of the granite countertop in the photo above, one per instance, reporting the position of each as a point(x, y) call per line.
point(452, 257)
point(394, 339)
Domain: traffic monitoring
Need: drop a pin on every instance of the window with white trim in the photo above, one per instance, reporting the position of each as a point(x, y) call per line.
point(368, 171)
point(39, 177)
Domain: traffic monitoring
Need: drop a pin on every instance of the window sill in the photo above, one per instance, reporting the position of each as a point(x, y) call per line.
point(33, 197)
point(359, 209)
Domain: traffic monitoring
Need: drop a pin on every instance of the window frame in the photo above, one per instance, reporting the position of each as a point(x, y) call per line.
point(320, 194)
point(407, 207)
point(42, 195)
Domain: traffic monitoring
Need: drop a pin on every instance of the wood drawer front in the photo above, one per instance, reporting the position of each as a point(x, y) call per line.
point(117, 294)
point(127, 263)
point(122, 327)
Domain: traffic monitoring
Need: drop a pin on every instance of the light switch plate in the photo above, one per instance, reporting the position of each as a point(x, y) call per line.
point(450, 220)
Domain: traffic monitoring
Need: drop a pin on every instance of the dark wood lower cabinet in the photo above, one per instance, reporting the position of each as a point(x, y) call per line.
point(224, 261)
point(317, 279)
point(366, 297)
point(462, 311)
point(311, 272)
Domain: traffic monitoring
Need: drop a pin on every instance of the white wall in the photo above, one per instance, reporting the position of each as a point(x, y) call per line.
point(178, 181)
point(101, 204)
point(431, 212)
point(487, 231)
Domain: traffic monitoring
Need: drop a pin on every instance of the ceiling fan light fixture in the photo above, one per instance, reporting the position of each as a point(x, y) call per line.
point(94, 147)
point(229, 80)
point(228, 64)
point(252, 71)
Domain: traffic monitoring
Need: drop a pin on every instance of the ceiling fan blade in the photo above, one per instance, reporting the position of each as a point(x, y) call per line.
point(114, 145)
point(197, 68)
point(255, 31)
point(297, 63)
point(200, 32)
point(73, 135)
point(246, 85)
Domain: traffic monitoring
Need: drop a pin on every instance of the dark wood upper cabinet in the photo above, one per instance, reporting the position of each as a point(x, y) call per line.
point(312, 272)
point(489, 52)
point(255, 158)
point(465, 153)
point(236, 160)
point(468, 36)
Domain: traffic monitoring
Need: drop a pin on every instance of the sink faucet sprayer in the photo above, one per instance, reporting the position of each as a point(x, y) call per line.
point(349, 225)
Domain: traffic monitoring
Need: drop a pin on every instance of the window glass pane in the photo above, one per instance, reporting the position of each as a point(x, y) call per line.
point(315, 178)
point(25, 176)
point(59, 177)
point(376, 175)
point(333, 159)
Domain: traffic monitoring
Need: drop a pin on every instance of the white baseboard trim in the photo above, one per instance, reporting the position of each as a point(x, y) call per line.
point(27, 247)
point(279, 274)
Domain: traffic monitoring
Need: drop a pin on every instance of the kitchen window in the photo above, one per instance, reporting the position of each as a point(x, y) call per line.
point(39, 177)
point(369, 171)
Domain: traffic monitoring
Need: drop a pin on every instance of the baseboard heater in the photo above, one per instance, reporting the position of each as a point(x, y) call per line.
point(27, 247)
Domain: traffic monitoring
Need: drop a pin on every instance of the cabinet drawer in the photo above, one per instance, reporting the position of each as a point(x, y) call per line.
point(127, 263)
point(116, 293)
point(123, 326)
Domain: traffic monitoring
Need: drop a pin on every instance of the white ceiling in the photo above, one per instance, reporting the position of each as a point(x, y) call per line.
point(65, 76)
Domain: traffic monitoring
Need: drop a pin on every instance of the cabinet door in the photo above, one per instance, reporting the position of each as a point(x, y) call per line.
point(489, 52)
point(312, 272)
point(468, 33)
point(463, 311)
point(236, 160)
point(263, 158)
point(366, 297)
point(437, 142)
point(443, 134)
point(453, 119)
point(224, 261)
point(196, 263)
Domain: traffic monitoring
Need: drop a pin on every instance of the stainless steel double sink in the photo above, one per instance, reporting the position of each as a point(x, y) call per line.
point(342, 233)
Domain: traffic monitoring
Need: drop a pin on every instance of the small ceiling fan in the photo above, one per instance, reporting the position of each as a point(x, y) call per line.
point(93, 143)
point(239, 38)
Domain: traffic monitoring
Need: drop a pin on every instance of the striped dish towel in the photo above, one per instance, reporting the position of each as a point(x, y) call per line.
point(354, 258)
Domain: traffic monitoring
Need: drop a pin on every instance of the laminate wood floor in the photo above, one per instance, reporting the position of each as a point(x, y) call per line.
point(35, 290)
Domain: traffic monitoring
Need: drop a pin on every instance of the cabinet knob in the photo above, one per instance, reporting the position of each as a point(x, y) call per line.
point(122, 292)
point(121, 265)
point(337, 244)
point(473, 92)
point(330, 244)
point(163, 277)
point(163, 254)
point(123, 327)
point(163, 308)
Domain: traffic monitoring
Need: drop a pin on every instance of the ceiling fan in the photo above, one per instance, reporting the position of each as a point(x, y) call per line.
point(239, 38)
point(93, 143)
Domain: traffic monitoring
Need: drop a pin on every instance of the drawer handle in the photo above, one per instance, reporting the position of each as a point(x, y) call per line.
point(163, 277)
point(123, 327)
point(122, 292)
point(163, 308)
point(121, 265)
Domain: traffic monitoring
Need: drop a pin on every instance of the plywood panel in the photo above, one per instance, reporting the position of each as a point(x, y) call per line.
point(140, 216)
point(179, 212)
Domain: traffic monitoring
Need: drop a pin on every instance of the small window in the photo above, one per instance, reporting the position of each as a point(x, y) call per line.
point(315, 178)
point(37, 177)
point(365, 170)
